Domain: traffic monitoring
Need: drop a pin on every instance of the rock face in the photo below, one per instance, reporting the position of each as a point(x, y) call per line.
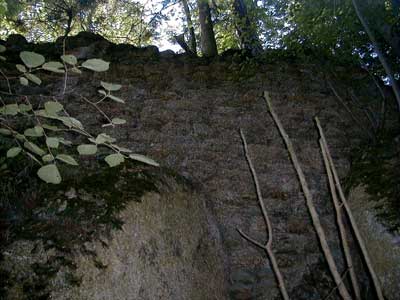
point(185, 113)
point(167, 248)
point(382, 245)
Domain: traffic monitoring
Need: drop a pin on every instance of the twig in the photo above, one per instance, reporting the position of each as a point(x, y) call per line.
point(268, 245)
point(356, 120)
point(353, 223)
point(339, 220)
point(8, 82)
point(311, 208)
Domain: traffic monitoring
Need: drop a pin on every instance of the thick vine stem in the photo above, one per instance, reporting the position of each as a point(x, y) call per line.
point(268, 245)
point(353, 223)
point(339, 221)
point(344, 293)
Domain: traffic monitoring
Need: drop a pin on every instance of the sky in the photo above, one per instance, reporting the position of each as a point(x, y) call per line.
point(174, 23)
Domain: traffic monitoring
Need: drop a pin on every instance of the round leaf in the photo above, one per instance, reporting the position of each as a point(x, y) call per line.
point(67, 159)
point(52, 142)
point(95, 64)
point(23, 81)
point(2, 49)
point(49, 174)
point(5, 131)
point(11, 109)
point(21, 68)
point(118, 121)
point(144, 159)
point(71, 122)
point(104, 138)
point(87, 149)
point(47, 158)
point(33, 78)
point(12, 152)
point(110, 86)
point(53, 107)
point(34, 148)
point(114, 159)
point(32, 59)
point(25, 107)
point(76, 70)
point(69, 59)
point(54, 66)
point(34, 132)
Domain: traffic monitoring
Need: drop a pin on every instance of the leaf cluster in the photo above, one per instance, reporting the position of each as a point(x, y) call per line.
point(44, 140)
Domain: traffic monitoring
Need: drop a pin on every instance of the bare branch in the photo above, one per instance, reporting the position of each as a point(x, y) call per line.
point(339, 220)
point(268, 245)
point(311, 208)
point(353, 223)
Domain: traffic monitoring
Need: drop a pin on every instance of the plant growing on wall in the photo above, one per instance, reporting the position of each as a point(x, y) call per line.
point(43, 136)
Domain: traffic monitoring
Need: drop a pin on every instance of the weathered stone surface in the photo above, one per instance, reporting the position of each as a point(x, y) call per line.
point(167, 248)
point(382, 245)
point(186, 113)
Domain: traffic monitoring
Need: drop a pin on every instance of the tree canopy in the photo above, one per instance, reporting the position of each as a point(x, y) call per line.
point(326, 29)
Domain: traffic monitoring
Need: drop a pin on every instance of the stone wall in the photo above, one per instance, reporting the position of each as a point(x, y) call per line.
point(186, 113)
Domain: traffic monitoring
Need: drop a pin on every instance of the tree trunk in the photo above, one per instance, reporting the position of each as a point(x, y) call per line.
point(208, 43)
point(247, 32)
point(192, 36)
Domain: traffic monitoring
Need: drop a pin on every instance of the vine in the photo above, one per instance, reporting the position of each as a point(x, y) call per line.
point(45, 142)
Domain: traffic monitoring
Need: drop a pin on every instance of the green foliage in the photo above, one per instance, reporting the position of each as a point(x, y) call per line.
point(42, 139)
point(377, 167)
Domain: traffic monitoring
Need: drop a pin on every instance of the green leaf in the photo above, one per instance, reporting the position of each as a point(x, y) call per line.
point(34, 148)
point(76, 70)
point(53, 107)
point(69, 59)
point(32, 59)
point(20, 137)
point(49, 174)
point(104, 138)
point(21, 68)
point(25, 107)
point(114, 159)
point(122, 149)
point(116, 99)
point(144, 159)
point(67, 159)
point(34, 132)
point(11, 109)
point(87, 149)
point(47, 158)
point(2, 49)
point(118, 121)
point(33, 78)
point(2, 58)
point(12, 152)
point(5, 131)
point(54, 66)
point(110, 86)
point(103, 92)
point(64, 141)
point(71, 122)
point(52, 142)
point(50, 127)
point(23, 81)
point(95, 64)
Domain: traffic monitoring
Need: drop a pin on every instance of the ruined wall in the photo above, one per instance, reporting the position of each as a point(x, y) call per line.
point(185, 113)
